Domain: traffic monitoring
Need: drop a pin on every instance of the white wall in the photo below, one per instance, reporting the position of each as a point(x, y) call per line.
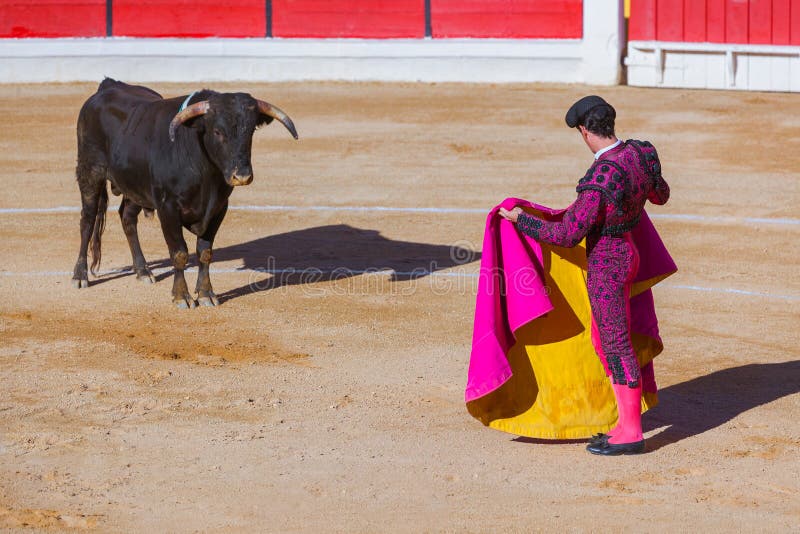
point(595, 59)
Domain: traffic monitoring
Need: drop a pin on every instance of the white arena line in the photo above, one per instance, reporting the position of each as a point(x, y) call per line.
point(384, 272)
point(785, 221)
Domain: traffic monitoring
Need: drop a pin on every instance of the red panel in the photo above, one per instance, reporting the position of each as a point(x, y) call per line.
point(348, 18)
point(642, 24)
point(736, 27)
point(189, 18)
point(669, 20)
point(795, 27)
point(781, 22)
point(531, 19)
point(715, 21)
point(760, 22)
point(694, 21)
point(52, 18)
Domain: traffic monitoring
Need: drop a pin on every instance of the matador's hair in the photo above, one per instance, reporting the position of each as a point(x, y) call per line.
point(600, 120)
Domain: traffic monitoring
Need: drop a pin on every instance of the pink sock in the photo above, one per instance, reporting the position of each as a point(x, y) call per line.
point(629, 407)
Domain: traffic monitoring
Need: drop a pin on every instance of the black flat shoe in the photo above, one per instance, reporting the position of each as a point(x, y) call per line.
point(599, 438)
point(615, 449)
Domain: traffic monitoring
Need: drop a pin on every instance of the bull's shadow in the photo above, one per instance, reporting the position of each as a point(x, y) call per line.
point(707, 402)
point(327, 253)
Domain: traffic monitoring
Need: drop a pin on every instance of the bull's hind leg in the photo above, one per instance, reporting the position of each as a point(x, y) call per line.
point(205, 294)
point(129, 214)
point(94, 201)
point(178, 253)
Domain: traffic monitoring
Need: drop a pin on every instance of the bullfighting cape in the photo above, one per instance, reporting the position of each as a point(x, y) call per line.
point(533, 370)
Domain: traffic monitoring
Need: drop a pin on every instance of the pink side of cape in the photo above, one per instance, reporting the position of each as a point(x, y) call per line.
point(511, 293)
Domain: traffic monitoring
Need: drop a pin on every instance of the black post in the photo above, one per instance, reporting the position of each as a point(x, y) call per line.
point(268, 10)
point(109, 18)
point(428, 28)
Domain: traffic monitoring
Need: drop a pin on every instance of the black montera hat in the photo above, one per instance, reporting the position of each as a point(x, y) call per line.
point(579, 109)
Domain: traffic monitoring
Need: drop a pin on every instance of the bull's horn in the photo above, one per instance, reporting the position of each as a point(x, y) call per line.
point(276, 113)
point(200, 108)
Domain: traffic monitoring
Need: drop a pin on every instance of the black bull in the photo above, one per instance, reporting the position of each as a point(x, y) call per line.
point(180, 157)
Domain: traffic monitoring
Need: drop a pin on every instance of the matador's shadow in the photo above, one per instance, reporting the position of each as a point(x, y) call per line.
point(326, 253)
point(706, 402)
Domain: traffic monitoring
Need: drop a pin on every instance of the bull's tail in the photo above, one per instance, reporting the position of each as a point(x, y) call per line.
point(99, 226)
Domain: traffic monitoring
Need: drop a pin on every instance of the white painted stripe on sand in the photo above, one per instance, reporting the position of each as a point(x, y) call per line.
point(785, 221)
point(724, 219)
point(389, 209)
point(57, 209)
point(732, 291)
point(383, 272)
point(229, 270)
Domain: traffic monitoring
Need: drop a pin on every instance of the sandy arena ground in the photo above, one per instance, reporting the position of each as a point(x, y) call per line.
point(310, 405)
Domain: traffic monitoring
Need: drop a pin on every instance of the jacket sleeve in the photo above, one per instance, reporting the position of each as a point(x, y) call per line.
point(660, 193)
point(577, 221)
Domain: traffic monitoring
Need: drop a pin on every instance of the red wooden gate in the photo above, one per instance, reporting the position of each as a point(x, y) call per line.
point(775, 22)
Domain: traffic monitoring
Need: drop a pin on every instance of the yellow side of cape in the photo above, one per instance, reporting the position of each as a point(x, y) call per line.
point(559, 389)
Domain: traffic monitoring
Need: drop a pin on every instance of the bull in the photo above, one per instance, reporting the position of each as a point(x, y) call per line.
point(180, 157)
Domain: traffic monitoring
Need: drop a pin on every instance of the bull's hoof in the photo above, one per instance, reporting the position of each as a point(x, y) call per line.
point(145, 276)
point(184, 303)
point(208, 298)
point(80, 283)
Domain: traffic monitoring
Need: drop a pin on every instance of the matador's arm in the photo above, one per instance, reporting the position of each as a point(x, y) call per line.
point(579, 218)
point(660, 193)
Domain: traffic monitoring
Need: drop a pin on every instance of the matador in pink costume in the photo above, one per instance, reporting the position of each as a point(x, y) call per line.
point(611, 197)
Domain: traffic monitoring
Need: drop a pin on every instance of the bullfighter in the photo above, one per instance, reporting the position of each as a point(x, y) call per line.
point(611, 197)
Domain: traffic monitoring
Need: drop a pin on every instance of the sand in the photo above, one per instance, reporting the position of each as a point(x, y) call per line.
point(311, 404)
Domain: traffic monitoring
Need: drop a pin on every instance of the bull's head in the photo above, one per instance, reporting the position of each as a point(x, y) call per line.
point(227, 122)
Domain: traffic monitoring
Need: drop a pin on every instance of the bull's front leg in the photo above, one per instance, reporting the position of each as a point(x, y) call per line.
point(205, 294)
point(179, 254)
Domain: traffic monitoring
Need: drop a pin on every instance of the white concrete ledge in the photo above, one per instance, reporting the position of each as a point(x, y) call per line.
point(715, 47)
point(311, 48)
point(145, 60)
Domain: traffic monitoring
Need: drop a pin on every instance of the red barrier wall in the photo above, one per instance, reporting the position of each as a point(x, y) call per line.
point(669, 20)
point(377, 19)
point(189, 18)
point(349, 18)
point(533, 19)
point(774, 22)
point(795, 35)
point(782, 22)
point(52, 18)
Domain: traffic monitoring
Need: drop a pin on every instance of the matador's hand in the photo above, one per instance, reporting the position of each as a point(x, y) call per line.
point(510, 215)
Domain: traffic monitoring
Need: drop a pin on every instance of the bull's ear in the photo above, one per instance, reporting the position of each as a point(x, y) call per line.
point(273, 112)
point(263, 120)
point(198, 123)
point(188, 116)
